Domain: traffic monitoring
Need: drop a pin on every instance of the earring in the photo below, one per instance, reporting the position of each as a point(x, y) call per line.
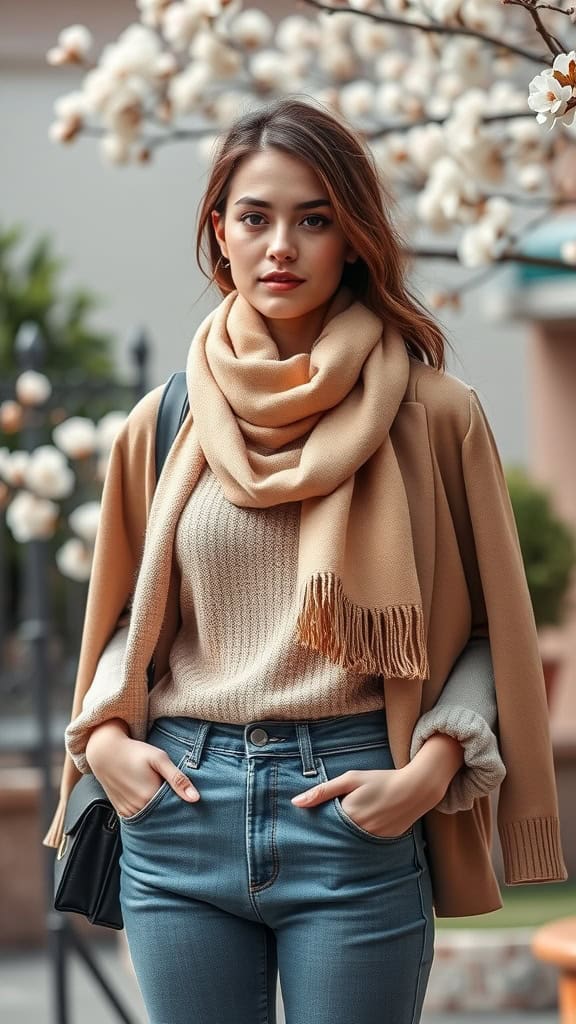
point(223, 263)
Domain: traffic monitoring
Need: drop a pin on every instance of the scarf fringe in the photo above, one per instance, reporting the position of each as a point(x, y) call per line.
point(387, 641)
point(54, 834)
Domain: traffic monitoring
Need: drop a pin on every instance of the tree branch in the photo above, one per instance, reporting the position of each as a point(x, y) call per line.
point(424, 26)
point(508, 256)
point(553, 44)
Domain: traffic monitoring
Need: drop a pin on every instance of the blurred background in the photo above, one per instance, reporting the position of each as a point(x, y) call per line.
point(100, 295)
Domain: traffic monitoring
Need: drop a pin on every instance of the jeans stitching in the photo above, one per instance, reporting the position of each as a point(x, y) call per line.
point(209, 747)
point(153, 801)
point(259, 886)
point(426, 917)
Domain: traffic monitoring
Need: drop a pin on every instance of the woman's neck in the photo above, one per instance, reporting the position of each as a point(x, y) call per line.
point(299, 334)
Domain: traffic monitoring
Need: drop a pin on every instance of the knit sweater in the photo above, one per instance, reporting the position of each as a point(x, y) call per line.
point(235, 657)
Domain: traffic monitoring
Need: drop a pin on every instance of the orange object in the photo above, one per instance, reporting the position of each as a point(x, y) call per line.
point(556, 943)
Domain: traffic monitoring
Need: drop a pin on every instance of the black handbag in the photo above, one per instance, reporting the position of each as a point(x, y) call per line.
point(87, 864)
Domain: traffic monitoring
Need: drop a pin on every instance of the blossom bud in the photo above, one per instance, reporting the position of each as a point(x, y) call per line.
point(33, 388)
point(76, 437)
point(74, 560)
point(11, 417)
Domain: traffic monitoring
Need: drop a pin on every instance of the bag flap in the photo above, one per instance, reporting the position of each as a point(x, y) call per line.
point(87, 794)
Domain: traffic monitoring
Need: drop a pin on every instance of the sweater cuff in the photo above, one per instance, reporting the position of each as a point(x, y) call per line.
point(532, 851)
point(483, 769)
point(101, 701)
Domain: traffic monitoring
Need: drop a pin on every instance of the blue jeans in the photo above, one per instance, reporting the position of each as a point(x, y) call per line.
point(222, 895)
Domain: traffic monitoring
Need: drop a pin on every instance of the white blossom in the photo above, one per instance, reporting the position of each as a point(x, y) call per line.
point(468, 58)
point(444, 11)
point(357, 99)
point(370, 39)
point(548, 97)
point(363, 5)
point(123, 113)
point(165, 65)
point(74, 43)
point(71, 107)
point(267, 69)
point(33, 388)
point(15, 466)
point(498, 212)
point(31, 518)
point(478, 245)
point(482, 16)
point(426, 144)
point(99, 87)
point(338, 60)
point(228, 105)
point(391, 65)
point(336, 29)
point(74, 560)
point(187, 89)
point(296, 33)
point(108, 428)
point(151, 11)
point(531, 177)
point(133, 54)
point(431, 211)
point(76, 437)
point(115, 149)
point(252, 29)
point(11, 416)
point(84, 521)
point(48, 474)
point(388, 100)
point(222, 60)
point(180, 22)
point(568, 251)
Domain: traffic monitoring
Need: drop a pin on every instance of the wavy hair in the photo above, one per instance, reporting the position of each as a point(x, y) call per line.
point(360, 202)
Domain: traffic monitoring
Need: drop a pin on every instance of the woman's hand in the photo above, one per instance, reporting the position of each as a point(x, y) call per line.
point(387, 802)
point(131, 771)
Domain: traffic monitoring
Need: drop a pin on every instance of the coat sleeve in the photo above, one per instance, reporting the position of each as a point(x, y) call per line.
point(126, 498)
point(528, 822)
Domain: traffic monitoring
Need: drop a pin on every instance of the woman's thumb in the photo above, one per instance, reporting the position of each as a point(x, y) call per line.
point(179, 782)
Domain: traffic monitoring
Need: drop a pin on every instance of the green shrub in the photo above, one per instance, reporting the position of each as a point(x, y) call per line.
point(548, 547)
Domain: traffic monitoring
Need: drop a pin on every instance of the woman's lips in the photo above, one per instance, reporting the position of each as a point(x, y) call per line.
point(280, 286)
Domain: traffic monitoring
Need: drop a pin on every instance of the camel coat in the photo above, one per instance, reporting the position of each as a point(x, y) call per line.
point(472, 583)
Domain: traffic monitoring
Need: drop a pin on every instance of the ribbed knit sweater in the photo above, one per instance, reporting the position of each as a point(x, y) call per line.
point(235, 658)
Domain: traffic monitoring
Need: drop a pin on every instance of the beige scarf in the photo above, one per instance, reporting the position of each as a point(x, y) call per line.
point(358, 598)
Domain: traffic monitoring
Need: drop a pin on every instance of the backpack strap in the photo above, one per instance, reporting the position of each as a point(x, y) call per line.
point(171, 414)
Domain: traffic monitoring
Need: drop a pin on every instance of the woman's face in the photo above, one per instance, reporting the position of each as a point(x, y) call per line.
point(279, 221)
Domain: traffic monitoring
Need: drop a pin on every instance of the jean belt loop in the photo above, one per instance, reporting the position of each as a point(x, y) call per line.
point(303, 734)
point(198, 747)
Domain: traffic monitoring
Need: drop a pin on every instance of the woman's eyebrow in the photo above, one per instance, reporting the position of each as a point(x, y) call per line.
point(310, 204)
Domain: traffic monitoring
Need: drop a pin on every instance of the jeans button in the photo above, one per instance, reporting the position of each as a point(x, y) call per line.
point(259, 737)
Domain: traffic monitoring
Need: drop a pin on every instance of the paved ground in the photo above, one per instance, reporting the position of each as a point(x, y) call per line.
point(25, 995)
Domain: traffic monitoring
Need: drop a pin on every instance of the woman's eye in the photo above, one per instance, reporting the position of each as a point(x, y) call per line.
point(313, 220)
point(320, 221)
point(244, 219)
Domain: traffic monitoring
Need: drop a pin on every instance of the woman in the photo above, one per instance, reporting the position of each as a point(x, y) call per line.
point(323, 574)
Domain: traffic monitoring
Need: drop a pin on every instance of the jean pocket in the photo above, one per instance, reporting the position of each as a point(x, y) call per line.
point(375, 757)
point(155, 799)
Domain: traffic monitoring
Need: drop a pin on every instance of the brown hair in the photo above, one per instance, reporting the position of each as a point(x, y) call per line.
point(360, 202)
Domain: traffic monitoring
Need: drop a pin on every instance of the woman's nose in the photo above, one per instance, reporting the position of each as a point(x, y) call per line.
point(282, 247)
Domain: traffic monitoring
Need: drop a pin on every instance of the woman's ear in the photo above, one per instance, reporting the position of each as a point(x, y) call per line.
point(351, 255)
point(218, 225)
